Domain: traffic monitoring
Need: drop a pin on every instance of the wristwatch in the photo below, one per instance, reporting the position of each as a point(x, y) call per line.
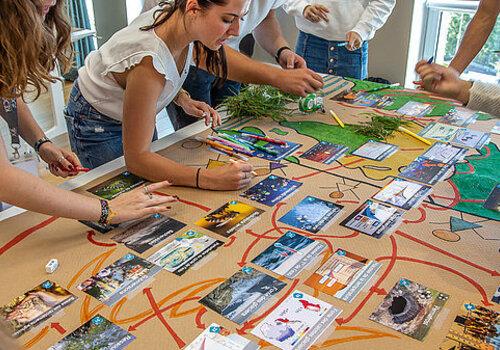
point(40, 142)
point(280, 50)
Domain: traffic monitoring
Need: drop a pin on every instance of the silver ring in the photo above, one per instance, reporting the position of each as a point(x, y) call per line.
point(60, 158)
point(204, 115)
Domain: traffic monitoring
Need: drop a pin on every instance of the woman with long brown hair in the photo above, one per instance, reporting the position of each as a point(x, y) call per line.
point(141, 69)
point(34, 35)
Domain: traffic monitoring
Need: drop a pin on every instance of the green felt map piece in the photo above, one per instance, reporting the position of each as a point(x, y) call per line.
point(401, 97)
point(332, 133)
point(478, 185)
point(279, 131)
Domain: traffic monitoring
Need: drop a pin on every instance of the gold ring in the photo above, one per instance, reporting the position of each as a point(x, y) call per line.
point(146, 192)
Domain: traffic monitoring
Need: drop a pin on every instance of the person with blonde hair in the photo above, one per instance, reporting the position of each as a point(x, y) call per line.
point(34, 35)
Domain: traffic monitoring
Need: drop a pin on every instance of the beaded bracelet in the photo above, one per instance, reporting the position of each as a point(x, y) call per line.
point(103, 220)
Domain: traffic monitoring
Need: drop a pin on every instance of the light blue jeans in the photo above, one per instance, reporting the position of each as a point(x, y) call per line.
point(326, 57)
point(95, 138)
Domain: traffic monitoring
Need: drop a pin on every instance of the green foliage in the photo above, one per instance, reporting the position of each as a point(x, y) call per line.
point(260, 101)
point(380, 127)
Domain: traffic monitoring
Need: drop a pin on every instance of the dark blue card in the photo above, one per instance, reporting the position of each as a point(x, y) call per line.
point(271, 190)
point(325, 152)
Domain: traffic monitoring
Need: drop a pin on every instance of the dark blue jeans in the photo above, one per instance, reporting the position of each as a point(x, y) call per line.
point(202, 86)
point(95, 138)
point(326, 57)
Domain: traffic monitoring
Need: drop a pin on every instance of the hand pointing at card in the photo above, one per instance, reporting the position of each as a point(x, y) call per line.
point(140, 202)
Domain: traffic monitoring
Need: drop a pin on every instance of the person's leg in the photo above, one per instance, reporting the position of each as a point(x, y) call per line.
point(352, 64)
point(95, 138)
point(314, 50)
point(198, 84)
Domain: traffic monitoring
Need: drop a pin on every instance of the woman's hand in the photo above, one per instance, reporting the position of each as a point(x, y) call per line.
point(290, 60)
point(61, 162)
point(315, 13)
point(198, 109)
point(233, 176)
point(443, 81)
point(353, 40)
point(301, 81)
point(140, 202)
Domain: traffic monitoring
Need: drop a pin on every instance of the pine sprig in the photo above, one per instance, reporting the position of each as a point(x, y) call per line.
point(380, 127)
point(260, 101)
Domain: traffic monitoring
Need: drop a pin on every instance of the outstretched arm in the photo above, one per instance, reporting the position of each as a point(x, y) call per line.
point(477, 33)
point(143, 87)
point(268, 34)
point(24, 190)
point(246, 70)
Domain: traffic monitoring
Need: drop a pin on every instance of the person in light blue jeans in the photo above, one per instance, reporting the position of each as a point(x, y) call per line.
point(332, 57)
point(96, 138)
point(334, 34)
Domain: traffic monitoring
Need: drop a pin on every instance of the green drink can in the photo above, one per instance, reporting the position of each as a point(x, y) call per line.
point(311, 103)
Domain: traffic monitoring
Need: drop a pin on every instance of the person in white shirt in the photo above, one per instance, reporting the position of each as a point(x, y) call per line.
point(334, 34)
point(140, 70)
point(261, 21)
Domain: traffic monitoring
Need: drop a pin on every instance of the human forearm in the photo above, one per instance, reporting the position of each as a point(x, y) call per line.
point(246, 70)
point(24, 190)
point(474, 38)
point(29, 129)
point(268, 34)
point(155, 167)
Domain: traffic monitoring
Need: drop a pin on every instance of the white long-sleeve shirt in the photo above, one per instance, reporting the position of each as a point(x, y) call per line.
point(364, 17)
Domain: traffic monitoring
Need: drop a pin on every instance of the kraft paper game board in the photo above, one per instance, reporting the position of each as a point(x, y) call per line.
point(446, 240)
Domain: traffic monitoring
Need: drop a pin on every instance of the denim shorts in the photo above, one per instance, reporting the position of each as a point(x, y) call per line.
point(95, 138)
point(324, 56)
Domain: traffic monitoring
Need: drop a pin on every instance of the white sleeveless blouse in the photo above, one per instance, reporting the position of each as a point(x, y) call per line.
point(122, 51)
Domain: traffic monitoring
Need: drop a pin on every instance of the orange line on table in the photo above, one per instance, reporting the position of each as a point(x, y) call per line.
point(100, 259)
point(149, 312)
point(377, 284)
point(43, 332)
point(26, 233)
point(85, 312)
